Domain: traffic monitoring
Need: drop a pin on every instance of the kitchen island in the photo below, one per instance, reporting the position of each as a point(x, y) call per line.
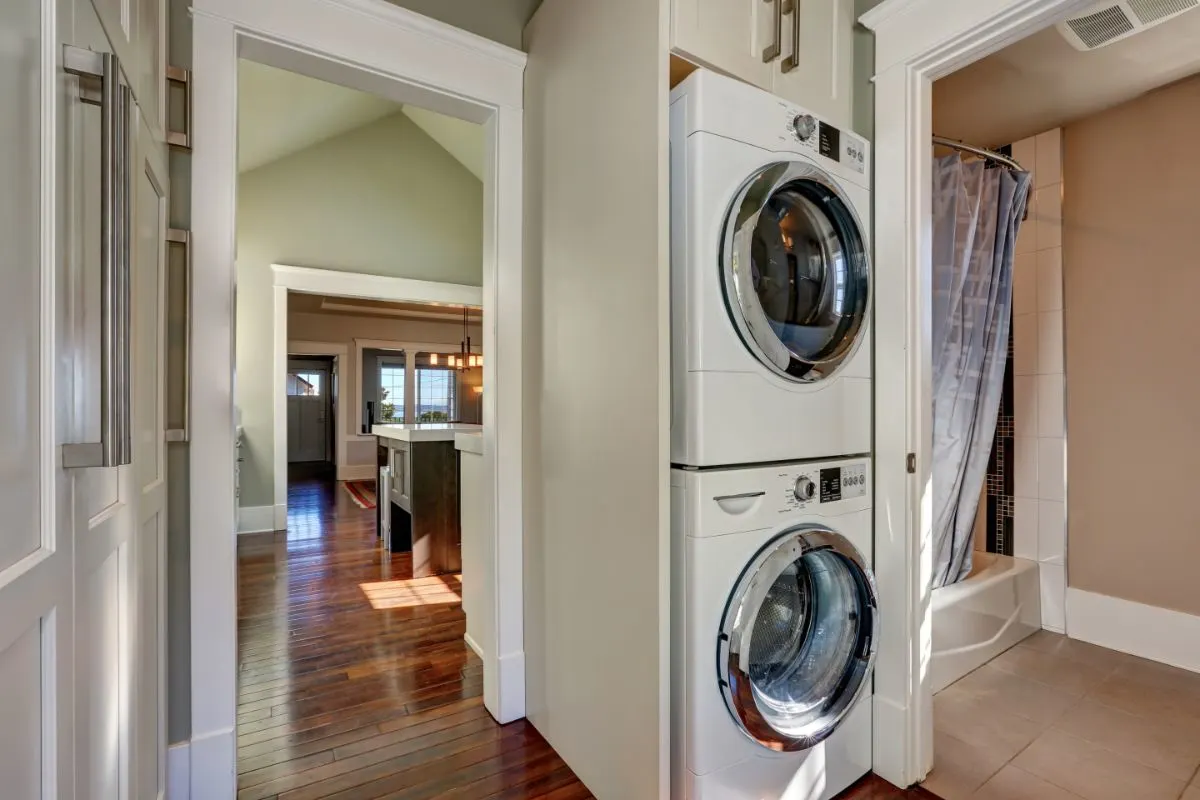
point(419, 510)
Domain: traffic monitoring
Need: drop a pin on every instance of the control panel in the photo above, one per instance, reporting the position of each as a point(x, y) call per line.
point(811, 133)
point(808, 485)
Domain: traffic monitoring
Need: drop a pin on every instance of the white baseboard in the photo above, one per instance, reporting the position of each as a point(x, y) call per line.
point(179, 771)
point(510, 672)
point(1159, 634)
point(474, 645)
point(260, 519)
point(891, 742)
point(213, 768)
point(357, 472)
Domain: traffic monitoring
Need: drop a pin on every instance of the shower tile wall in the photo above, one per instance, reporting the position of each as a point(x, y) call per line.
point(1038, 453)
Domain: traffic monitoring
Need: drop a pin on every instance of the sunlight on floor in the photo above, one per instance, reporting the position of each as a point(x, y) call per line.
point(442, 590)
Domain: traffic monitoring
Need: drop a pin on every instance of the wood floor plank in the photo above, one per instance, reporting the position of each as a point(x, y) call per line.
point(354, 680)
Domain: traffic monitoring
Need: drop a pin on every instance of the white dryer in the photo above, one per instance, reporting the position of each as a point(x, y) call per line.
point(774, 626)
point(770, 279)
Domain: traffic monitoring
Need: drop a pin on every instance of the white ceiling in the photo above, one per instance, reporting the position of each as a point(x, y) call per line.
point(281, 113)
point(1042, 82)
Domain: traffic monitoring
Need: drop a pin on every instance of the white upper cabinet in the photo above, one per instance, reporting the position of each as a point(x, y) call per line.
point(138, 33)
point(813, 65)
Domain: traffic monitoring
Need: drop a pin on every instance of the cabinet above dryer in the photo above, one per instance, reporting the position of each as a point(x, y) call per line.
point(800, 50)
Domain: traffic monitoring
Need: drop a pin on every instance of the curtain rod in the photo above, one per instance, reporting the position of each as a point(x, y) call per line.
point(982, 152)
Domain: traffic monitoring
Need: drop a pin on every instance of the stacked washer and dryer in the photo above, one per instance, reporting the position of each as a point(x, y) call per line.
point(774, 608)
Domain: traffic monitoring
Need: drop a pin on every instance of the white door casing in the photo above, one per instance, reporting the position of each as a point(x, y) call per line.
point(916, 42)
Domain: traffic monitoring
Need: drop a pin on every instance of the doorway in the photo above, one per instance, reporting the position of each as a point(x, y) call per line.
point(311, 398)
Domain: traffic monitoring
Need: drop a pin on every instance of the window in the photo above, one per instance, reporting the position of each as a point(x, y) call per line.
point(436, 385)
point(391, 390)
point(306, 384)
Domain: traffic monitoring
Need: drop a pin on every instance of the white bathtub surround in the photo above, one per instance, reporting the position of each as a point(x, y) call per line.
point(1039, 384)
point(977, 619)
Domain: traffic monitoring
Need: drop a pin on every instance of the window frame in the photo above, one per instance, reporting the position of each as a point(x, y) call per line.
point(411, 350)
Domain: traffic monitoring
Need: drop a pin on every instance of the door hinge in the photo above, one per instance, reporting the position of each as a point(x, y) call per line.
point(911, 463)
point(181, 140)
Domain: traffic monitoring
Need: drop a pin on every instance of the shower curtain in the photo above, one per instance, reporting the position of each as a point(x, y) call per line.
point(976, 213)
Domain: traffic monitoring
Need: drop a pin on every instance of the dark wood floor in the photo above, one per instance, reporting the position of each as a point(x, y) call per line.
point(355, 681)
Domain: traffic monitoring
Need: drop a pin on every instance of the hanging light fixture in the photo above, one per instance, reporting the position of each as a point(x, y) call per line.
point(466, 358)
point(433, 359)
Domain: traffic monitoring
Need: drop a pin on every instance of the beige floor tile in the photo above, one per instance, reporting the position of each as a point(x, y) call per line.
point(1191, 793)
point(1163, 676)
point(1092, 772)
point(1065, 674)
point(1011, 783)
point(995, 688)
point(1056, 644)
point(959, 768)
point(1156, 743)
point(1148, 700)
point(999, 732)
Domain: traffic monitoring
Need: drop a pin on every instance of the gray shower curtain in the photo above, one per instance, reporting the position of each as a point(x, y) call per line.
point(976, 213)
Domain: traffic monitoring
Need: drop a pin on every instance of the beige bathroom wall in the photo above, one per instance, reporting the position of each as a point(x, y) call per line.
point(1132, 279)
point(384, 199)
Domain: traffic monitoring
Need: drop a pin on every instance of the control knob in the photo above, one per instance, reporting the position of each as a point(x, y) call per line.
point(804, 125)
point(804, 489)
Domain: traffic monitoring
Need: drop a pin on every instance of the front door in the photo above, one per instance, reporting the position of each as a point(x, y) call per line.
point(82, 473)
point(309, 390)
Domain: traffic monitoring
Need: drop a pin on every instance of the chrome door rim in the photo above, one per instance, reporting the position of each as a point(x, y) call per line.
point(737, 624)
point(742, 301)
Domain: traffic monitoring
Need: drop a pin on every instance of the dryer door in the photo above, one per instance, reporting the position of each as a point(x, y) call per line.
point(797, 640)
point(796, 274)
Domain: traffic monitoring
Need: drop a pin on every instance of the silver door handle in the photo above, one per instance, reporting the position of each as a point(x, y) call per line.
point(772, 51)
point(793, 61)
point(115, 447)
point(184, 239)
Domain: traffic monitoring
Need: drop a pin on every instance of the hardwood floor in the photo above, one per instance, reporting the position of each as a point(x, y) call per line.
point(355, 682)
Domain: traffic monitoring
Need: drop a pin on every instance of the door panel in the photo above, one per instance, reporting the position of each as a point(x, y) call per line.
point(21, 703)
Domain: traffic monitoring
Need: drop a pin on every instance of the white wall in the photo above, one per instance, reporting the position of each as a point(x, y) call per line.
point(384, 199)
point(597, 514)
point(344, 329)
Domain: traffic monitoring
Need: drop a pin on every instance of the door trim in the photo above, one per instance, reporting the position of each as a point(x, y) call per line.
point(377, 47)
point(916, 42)
point(340, 353)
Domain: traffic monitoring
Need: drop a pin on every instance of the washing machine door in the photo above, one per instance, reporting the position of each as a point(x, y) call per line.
point(795, 271)
point(797, 640)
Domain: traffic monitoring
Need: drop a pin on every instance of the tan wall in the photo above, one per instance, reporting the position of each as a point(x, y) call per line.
point(1132, 280)
point(596, 397)
point(344, 329)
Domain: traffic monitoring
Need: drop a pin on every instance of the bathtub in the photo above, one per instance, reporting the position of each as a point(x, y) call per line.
point(976, 619)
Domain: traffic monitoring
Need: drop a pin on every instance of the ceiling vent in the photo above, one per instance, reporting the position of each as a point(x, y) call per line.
point(1105, 23)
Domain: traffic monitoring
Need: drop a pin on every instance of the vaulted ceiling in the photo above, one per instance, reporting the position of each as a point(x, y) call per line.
point(281, 113)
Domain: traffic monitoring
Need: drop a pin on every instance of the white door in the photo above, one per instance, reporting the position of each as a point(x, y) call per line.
point(308, 394)
point(81, 656)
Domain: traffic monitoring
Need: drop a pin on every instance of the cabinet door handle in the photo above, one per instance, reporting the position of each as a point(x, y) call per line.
point(183, 238)
point(116, 104)
point(793, 61)
point(772, 51)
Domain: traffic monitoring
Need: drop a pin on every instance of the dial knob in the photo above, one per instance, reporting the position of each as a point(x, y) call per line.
point(804, 489)
point(804, 125)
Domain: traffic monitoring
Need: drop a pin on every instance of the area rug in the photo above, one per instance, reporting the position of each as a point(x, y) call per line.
point(361, 492)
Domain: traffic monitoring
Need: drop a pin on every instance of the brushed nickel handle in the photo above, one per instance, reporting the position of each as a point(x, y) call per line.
point(793, 61)
point(182, 140)
point(115, 100)
point(772, 51)
point(183, 238)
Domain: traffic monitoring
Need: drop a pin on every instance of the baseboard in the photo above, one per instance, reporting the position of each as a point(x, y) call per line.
point(179, 771)
point(510, 677)
point(890, 742)
point(474, 645)
point(1159, 634)
point(213, 768)
point(357, 472)
point(260, 519)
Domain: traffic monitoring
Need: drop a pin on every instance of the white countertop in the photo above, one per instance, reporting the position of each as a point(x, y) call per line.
point(471, 442)
point(425, 431)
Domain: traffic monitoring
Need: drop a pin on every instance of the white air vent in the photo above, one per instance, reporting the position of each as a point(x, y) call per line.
point(1105, 23)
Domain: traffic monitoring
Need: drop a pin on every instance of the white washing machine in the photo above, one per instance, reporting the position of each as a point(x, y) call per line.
point(774, 626)
point(770, 279)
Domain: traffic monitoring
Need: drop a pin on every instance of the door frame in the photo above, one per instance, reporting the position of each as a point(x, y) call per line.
point(372, 46)
point(916, 42)
point(333, 402)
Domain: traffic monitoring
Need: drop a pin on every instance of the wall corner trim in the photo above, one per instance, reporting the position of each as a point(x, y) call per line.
point(1159, 634)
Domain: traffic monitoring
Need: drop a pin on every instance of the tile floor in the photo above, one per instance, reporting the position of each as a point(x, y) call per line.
point(1057, 719)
